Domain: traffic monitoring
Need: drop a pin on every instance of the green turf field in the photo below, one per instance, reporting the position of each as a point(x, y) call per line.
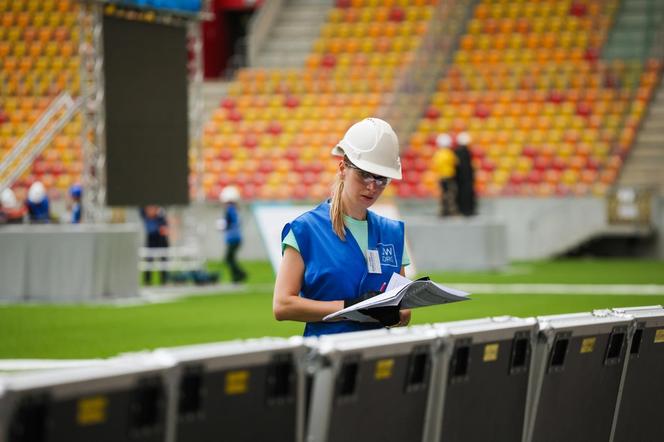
point(75, 331)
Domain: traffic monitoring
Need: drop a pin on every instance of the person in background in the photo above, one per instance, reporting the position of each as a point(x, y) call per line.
point(444, 165)
point(156, 229)
point(231, 226)
point(11, 212)
point(37, 204)
point(465, 176)
point(341, 253)
point(75, 192)
point(3, 209)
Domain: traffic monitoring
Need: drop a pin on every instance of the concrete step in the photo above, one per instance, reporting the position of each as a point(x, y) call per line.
point(657, 186)
point(644, 175)
point(651, 138)
point(319, 3)
point(295, 30)
point(654, 155)
point(652, 173)
point(643, 180)
point(628, 43)
point(638, 34)
point(653, 125)
point(646, 161)
point(641, 5)
point(658, 102)
point(650, 148)
point(631, 20)
point(639, 144)
point(627, 53)
point(281, 60)
point(303, 13)
point(656, 109)
point(293, 45)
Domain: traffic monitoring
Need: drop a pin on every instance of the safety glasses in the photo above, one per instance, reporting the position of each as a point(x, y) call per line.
point(369, 178)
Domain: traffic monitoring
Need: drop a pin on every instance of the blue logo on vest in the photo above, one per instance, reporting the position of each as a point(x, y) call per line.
point(387, 255)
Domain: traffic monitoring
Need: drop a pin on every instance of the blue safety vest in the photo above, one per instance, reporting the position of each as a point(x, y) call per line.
point(233, 234)
point(39, 212)
point(76, 213)
point(336, 269)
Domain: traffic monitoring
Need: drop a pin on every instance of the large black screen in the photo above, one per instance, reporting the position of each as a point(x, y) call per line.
point(145, 70)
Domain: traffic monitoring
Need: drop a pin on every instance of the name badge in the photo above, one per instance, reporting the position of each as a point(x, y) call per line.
point(373, 261)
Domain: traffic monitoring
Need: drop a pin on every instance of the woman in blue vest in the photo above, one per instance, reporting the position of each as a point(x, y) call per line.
point(341, 253)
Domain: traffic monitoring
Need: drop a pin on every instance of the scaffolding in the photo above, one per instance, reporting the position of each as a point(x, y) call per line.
point(93, 133)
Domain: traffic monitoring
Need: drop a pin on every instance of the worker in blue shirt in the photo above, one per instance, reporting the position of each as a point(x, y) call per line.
point(37, 204)
point(156, 229)
point(75, 192)
point(341, 253)
point(231, 226)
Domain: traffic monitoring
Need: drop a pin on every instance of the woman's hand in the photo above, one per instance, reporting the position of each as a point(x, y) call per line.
point(404, 318)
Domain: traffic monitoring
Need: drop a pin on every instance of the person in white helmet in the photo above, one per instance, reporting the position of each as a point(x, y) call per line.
point(444, 165)
point(465, 176)
point(231, 226)
point(11, 212)
point(341, 253)
point(37, 204)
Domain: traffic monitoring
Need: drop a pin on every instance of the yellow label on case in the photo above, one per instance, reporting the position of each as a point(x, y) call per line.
point(91, 410)
point(659, 336)
point(588, 345)
point(237, 382)
point(384, 369)
point(490, 352)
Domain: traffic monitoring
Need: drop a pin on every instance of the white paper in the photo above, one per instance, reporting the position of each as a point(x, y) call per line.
point(397, 281)
point(405, 293)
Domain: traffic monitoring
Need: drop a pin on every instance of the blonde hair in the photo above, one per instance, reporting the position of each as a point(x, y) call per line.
point(337, 208)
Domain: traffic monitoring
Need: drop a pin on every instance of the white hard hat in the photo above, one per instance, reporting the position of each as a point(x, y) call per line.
point(444, 140)
point(37, 192)
point(8, 199)
point(229, 194)
point(372, 145)
point(463, 139)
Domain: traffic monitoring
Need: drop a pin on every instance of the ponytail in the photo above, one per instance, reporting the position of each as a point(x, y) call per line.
point(337, 210)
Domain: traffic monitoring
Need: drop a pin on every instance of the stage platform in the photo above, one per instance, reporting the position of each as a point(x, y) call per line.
point(68, 263)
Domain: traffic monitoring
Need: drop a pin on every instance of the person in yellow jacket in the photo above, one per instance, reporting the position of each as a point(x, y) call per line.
point(444, 165)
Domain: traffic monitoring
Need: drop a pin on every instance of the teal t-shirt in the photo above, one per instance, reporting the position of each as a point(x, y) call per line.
point(360, 231)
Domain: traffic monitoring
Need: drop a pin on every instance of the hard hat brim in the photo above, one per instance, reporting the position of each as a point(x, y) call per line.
point(370, 167)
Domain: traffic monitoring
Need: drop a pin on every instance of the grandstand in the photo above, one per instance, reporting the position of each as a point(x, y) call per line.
point(549, 114)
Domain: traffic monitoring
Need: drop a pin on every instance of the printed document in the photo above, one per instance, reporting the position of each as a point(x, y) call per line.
point(405, 293)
